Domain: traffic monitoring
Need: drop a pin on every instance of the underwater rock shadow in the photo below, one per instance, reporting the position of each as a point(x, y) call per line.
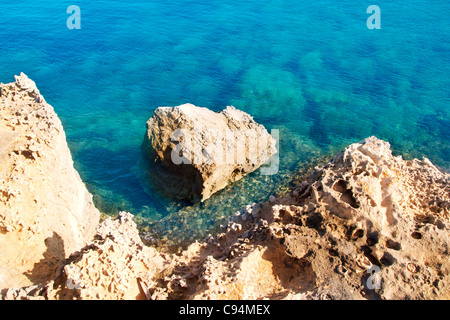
point(120, 187)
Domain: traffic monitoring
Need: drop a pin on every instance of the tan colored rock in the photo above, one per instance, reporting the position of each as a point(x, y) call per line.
point(195, 152)
point(367, 225)
point(342, 223)
point(365, 211)
point(116, 265)
point(46, 212)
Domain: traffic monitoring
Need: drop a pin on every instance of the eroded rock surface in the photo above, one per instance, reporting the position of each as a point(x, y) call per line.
point(367, 225)
point(46, 212)
point(195, 152)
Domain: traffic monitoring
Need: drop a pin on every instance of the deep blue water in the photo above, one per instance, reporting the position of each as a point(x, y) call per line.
point(311, 69)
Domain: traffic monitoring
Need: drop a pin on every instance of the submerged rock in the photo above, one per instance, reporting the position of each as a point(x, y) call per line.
point(195, 152)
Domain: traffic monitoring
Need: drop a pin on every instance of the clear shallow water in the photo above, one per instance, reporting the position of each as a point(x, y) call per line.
point(311, 69)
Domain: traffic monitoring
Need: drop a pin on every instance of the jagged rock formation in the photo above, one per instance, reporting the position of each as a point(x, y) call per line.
point(195, 152)
point(365, 211)
point(116, 265)
point(46, 213)
point(366, 225)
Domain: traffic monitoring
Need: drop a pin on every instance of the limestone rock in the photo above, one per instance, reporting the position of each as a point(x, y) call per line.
point(345, 233)
point(116, 265)
point(46, 212)
point(367, 225)
point(196, 152)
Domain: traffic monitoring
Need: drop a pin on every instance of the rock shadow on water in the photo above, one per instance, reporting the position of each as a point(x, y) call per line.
point(120, 187)
point(186, 222)
point(174, 183)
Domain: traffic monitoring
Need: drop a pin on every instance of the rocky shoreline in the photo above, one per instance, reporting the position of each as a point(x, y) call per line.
point(366, 225)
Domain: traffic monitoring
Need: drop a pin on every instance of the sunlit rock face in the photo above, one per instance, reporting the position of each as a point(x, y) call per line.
point(196, 152)
point(366, 225)
point(46, 212)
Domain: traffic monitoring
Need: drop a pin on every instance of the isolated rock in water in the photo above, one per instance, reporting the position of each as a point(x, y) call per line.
point(195, 152)
point(46, 212)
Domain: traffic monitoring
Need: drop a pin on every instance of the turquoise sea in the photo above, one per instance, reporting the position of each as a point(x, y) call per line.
point(311, 69)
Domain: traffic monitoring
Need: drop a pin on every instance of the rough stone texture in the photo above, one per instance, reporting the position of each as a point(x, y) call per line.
point(116, 265)
point(219, 148)
point(364, 211)
point(46, 213)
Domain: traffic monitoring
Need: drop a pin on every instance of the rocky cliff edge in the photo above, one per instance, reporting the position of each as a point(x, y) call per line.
point(366, 225)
